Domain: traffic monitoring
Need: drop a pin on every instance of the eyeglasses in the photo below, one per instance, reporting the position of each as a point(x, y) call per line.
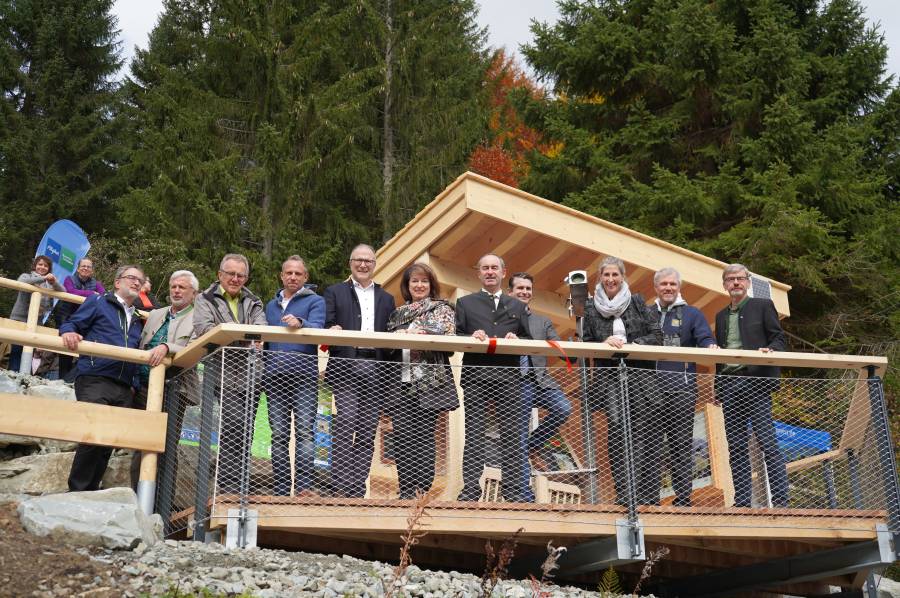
point(361, 260)
point(132, 278)
point(731, 279)
point(235, 275)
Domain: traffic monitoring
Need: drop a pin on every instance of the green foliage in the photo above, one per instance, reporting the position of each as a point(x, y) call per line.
point(760, 132)
point(58, 120)
point(263, 130)
point(609, 584)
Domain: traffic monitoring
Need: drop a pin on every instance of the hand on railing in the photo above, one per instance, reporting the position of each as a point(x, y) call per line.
point(157, 354)
point(71, 340)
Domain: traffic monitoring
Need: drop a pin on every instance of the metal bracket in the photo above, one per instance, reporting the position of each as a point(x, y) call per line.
point(627, 546)
point(619, 356)
point(241, 532)
point(252, 337)
point(211, 347)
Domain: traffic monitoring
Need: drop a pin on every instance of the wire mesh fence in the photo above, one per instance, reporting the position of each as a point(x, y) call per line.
point(254, 427)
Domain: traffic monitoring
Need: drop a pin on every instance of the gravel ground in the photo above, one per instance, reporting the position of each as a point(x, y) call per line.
point(190, 567)
point(41, 567)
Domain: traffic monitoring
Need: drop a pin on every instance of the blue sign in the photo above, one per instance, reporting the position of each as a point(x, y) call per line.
point(796, 442)
point(66, 244)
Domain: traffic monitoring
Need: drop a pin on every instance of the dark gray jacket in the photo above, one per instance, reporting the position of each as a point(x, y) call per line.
point(542, 329)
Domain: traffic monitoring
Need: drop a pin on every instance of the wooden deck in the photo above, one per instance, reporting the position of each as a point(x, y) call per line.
point(700, 540)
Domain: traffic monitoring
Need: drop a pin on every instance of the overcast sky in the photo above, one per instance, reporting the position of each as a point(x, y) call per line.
point(507, 22)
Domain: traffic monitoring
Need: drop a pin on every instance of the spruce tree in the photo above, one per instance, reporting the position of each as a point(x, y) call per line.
point(743, 130)
point(58, 119)
point(299, 127)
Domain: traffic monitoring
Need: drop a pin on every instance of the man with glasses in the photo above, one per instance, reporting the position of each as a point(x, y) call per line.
point(109, 319)
point(81, 283)
point(228, 301)
point(356, 304)
point(745, 391)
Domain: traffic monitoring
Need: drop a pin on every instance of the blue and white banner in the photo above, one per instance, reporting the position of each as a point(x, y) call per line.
point(66, 244)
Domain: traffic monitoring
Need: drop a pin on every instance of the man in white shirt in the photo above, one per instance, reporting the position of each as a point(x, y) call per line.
point(354, 373)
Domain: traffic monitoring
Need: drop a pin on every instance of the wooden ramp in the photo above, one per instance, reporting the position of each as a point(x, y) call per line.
point(701, 540)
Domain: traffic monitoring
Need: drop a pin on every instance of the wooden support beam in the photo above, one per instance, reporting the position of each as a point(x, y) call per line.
point(807, 462)
point(858, 415)
point(21, 327)
point(87, 423)
point(15, 285)
point(717, 445)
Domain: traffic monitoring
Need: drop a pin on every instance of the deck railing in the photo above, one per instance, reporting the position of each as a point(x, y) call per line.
point(616, 450)
point(637, 443)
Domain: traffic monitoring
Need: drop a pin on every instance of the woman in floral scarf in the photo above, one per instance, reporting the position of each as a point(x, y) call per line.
point(425, 382)
point(617, 317)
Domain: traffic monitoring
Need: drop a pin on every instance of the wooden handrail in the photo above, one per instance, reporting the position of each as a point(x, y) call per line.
point(55, 343)
point(15, 285)
point(225, 334)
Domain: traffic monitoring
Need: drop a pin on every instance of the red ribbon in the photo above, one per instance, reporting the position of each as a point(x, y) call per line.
point(323, 348)
point(492, 346)
point(557, 346)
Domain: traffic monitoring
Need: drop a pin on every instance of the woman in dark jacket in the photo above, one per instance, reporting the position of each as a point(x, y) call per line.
point(614, 316)
point(423, 381)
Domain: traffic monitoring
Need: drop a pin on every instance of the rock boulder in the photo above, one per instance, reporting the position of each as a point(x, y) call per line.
point(105, 518)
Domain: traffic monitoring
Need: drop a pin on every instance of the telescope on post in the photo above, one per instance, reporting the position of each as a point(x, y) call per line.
point(578, 293)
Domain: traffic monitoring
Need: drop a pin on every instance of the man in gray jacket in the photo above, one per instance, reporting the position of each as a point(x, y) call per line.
point(173, 327)
point(229, 301)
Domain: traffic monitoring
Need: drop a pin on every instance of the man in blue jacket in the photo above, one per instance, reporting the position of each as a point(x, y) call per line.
point(109, 319)
point(682, 326)
point(358, 379)
point(291, 381)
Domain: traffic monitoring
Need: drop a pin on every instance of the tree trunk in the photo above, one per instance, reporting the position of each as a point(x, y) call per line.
point(387, 156)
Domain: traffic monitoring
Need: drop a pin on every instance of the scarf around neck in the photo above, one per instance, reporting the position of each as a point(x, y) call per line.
point(615, 307)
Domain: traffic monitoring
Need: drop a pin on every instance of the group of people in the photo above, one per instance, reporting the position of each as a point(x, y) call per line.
point(416, 386)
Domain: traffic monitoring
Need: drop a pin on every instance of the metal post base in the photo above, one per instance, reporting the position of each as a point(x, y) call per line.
point(241, 533)
point(146, 491)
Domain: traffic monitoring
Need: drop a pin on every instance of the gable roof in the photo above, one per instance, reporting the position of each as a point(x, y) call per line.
point(475, 215)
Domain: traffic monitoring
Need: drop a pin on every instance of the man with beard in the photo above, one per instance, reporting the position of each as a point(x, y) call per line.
point(109, 319)
point(745, 391)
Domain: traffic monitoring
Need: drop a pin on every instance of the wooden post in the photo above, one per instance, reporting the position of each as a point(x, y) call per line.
point(147, 480)
point(719, 466)
point(31, 324)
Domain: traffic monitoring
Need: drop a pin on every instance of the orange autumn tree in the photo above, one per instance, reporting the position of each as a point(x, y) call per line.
point(503, 156)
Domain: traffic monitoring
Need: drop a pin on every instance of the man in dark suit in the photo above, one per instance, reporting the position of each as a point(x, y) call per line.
point(491, 314)
point(745, 391)
point(355, 304)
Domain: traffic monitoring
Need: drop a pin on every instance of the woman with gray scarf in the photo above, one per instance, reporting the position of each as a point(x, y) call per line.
point(614, 316)
point(422, 382)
